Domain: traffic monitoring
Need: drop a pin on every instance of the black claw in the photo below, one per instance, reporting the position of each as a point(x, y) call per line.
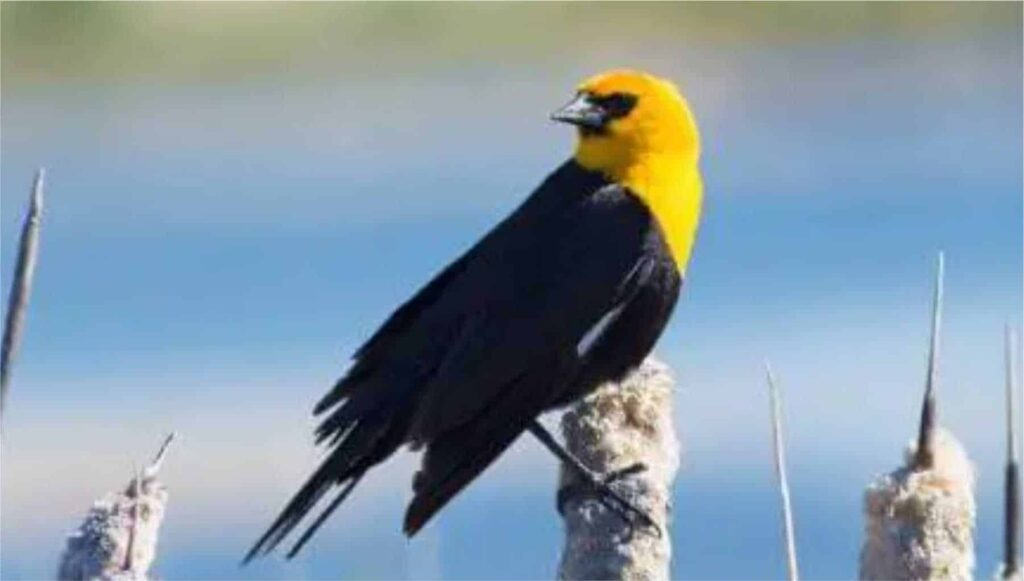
point(600, 488)
point(616, 475)
point(627, 511)
point(589, 483)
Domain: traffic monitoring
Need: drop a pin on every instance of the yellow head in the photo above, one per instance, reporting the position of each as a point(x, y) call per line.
point(638, 131)
point(627, 117)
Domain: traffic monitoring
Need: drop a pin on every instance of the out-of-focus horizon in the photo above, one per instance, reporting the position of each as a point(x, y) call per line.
point(239, 192)
point(227, 43)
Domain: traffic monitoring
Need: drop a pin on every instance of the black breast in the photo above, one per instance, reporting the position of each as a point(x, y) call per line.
point(626, 335)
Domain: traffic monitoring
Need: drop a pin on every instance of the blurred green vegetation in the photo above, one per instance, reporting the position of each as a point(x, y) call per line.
point(45, 42)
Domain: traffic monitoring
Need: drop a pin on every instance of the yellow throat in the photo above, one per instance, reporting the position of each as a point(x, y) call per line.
point(653, 151)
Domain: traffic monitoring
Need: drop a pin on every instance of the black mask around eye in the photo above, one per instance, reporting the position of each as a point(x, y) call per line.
point(616, 105)
point(592, 113)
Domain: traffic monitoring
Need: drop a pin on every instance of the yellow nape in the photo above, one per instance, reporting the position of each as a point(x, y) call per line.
point(653, 151)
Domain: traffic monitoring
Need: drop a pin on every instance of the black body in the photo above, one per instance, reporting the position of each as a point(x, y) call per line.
point(571, 290)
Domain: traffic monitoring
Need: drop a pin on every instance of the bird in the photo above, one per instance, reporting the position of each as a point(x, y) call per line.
point(569, 291)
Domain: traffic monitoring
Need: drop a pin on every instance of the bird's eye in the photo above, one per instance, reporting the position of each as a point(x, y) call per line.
point(617, 105)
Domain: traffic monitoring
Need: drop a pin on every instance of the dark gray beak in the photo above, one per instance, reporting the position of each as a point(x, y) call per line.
point(582, 112)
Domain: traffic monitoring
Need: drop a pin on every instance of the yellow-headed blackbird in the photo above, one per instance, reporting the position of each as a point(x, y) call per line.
point(569, 291)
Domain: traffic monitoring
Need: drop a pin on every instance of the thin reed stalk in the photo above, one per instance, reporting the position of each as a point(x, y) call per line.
point(21, 287)
point(779, 449)
point(1011, 493)
point(919, 518)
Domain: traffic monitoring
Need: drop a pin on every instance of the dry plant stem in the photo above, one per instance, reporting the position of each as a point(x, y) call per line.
point(118, 538)
point(780, 472)
point(925, 447)
point(136, 488)
point(21, 287)
point(618, 426)
point(158, 460)
point(1012, 492)
point(919, 518)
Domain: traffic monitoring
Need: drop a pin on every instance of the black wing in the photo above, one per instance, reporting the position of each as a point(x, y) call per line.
point(596, 281)
point(484, 347)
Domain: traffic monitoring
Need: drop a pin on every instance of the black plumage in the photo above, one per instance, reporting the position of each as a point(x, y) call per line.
point(569, 291)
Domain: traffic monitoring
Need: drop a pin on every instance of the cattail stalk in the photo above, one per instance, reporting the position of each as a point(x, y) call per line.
point(21, 287)
point(920, 517)
point(924, 457)
point(118, 538)
point(789, 535)
point(1012, 492)
point(618, 426)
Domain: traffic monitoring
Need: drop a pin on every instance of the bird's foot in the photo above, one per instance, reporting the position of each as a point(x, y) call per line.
point(588, 482)
point(600, 487)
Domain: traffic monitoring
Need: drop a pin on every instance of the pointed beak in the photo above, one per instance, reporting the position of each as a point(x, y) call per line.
point(581, 112)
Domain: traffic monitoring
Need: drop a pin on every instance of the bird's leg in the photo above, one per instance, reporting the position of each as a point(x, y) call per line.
point(594, 483)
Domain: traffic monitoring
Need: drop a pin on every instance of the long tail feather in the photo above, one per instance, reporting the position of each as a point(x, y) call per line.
point(345, 466)
point(308, 534)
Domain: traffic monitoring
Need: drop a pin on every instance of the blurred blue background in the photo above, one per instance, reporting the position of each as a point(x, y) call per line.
point(239, 193)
